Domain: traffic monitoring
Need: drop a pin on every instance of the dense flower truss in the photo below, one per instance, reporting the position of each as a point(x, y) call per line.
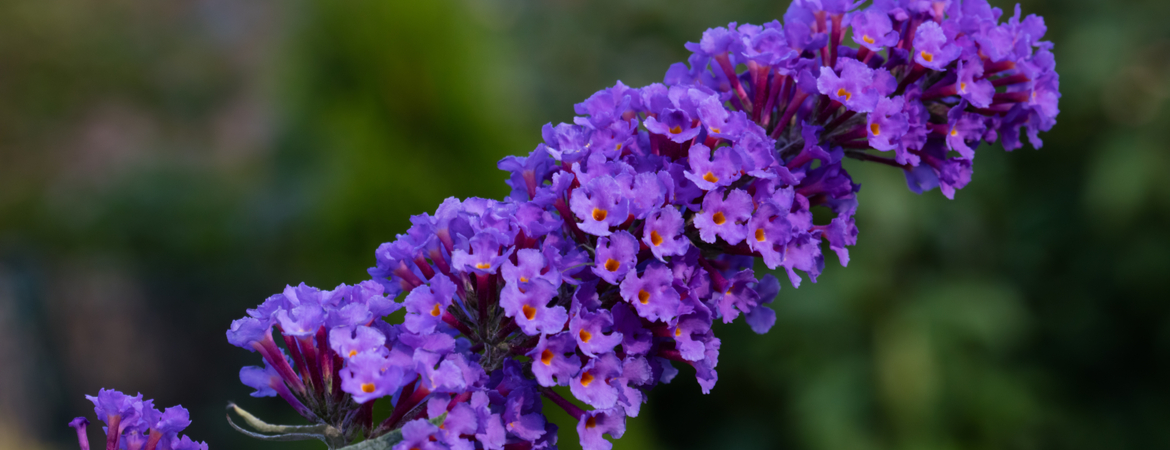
point(630, 231)
point(134, 424)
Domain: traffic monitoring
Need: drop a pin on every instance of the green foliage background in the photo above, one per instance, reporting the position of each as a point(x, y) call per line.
point(164, 165)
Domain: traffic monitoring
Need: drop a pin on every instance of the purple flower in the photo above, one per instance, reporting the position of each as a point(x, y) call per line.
point(554, 359)
point(592, 385)
point(739, 297)
point(887, 124)
point(448, 374)
point(720, 122)
point(616, 255)
point(599, 205)
point(663, 233)
point(652, 294)
point(185, 443)
point(418, 434)
point(483, 255)
point(349, 341)
point(872, 29)
point(426, 304)
point(710, 174)
point(971, 85)
point(724, 218)
point(527, 303)
point(117, 410)
point(932, 49)
point(961, 127)
point(768, 231)
point(370, 375)
point(593, 424)
point(79, 425)
point(531, 265)
point(636, 339)
point(675, 124)
point(306, 315)
point(854, 88)
point(761, 318)
point(589, 330)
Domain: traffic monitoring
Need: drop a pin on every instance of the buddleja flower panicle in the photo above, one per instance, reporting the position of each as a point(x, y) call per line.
point(630, 231)
point(133, 423)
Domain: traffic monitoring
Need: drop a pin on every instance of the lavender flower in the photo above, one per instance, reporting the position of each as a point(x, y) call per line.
point(631, 230)
point(133, 423)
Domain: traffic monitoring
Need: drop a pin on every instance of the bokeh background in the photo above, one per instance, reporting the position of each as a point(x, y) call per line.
point(164, 165)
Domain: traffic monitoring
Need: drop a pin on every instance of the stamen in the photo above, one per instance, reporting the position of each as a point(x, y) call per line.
point(954, 131)
point(368, 387)
point(483, 266)
point(927, 56)
point(963, 86)
point(352, 353)
point(677, 332)
point(523, 279)
point(655, 238)
point(867, 39)
point(643, 296)
point(612, 265)
point(546, 357)
point(586, 379)
point(529, 312)
point(875, 129)
point(599, 214)
point(719, 218)
point(676, 130)
point(710, 177)
point(585, 336)
point(760, 237)
point(715, 130)
point(843, 93)
point(435, 311)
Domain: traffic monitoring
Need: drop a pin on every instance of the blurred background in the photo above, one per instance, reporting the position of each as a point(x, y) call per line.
point(165, 165)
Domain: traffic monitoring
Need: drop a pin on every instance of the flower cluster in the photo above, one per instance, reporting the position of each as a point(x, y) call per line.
point(629, 232)
point(134, 424)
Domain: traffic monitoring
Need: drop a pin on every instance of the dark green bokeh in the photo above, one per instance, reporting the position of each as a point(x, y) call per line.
point(164, 165)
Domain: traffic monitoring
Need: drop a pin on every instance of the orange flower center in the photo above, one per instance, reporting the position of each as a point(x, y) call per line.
point(599, 214)
point(529, 312)
point(927, 56)
point(676, 130)
point(867, 39)
point(482, 266)
point(875, 129)
point(352, 353)
point(585, 336)
point(546, 357)
point(843, 93)
point(655, 238)
point(710, 177)
point(643, 296)
point(677, 332)
point(435, 311)
point(612, 265)
point(719, 218)
point(586, 379)
point(590, 423)
point(760, 235)
point(368, 387)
